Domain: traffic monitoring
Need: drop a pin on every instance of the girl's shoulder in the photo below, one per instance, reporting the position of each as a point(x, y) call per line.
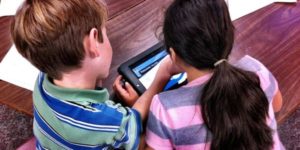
point(268, 81)
point(183, 96)
point(251, 64)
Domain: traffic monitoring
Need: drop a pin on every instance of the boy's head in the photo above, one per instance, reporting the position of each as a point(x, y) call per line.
point(51, 33)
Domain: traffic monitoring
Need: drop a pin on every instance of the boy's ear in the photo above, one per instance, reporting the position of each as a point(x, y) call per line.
point(93, 49)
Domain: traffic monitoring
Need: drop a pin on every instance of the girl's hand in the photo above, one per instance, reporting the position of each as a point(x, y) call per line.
point(125, 92)
point(168, 68)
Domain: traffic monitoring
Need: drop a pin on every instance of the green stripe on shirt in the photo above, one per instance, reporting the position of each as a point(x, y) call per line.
point(78, 135)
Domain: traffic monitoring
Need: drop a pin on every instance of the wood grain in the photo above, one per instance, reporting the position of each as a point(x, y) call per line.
point(270, 35)
point(116, 7)
point(10, 95)
point(16, 98)
point(133, 32)
point(5, 38)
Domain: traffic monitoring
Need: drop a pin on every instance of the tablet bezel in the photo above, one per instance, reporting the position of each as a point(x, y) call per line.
point(126, 71)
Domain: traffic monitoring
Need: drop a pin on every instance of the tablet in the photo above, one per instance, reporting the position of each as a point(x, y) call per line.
point(140, 70)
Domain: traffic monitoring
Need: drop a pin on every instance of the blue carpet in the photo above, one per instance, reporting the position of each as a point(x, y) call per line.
point(15, 128)
point(289, 132)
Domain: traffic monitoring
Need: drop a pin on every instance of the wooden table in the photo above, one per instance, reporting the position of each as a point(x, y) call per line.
point(269, 34)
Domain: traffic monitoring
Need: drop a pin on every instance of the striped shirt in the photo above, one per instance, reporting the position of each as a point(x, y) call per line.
point(81, 119)
point(175, 120)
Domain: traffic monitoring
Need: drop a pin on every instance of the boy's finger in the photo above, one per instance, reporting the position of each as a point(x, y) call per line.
point(130, 89)
point(121, 90)
point(118, 80)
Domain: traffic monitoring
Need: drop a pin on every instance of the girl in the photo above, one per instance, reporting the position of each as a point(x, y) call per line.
point(223, 106)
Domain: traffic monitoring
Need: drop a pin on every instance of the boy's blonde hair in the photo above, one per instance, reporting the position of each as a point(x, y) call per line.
point(50, 33)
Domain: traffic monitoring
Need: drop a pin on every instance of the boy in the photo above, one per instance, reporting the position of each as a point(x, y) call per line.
point(67, 41)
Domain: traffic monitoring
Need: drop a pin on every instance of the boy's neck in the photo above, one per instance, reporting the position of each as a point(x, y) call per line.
point(77, 80)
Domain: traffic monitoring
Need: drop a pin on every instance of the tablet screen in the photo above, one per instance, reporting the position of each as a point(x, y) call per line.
point(140, 70)
point(145, 70)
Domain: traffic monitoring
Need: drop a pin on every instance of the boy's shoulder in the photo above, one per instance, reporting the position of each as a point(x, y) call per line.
point(46, 91)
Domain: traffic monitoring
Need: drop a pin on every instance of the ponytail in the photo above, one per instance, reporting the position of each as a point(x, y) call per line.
point(235, 108)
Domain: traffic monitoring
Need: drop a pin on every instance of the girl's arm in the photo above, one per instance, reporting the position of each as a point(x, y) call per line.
point(277, 102)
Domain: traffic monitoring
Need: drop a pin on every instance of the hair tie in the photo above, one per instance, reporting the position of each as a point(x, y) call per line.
point(219, 62)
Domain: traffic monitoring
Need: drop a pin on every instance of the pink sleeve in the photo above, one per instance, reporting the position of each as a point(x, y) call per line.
point(157, 134)
point(268, 82)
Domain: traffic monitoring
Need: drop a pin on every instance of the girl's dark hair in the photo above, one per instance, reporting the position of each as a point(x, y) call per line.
point(234, 107)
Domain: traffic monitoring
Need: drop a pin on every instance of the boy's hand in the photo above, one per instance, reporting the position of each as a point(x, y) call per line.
point(126, 92)
point(99, 83)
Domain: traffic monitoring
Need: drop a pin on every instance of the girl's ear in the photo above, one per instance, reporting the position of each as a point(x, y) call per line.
point(176, 59)
point(93, 49)
point(173, 55)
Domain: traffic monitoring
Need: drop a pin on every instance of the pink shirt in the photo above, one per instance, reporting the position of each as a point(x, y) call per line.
point(175, 116)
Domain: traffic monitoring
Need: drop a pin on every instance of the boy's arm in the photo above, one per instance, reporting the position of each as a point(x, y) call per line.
point(142, 104)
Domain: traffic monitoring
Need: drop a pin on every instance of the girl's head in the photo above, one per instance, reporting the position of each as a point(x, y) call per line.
point(233, 105)
point(199, 31)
